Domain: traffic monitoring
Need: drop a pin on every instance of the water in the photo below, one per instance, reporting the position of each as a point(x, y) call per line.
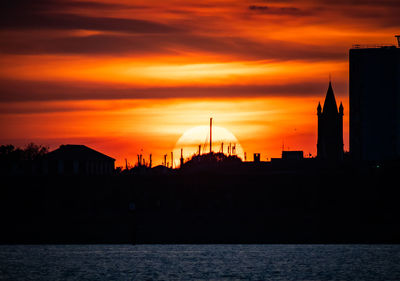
point(200, 262)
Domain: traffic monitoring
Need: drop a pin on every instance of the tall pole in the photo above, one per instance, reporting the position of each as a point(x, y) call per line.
point(181, 157)
point(210, 135)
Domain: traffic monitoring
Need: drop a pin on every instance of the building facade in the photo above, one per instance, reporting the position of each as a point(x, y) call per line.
point(78, 160)
point(374, 91)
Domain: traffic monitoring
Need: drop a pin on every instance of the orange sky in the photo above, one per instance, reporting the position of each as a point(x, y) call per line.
point(128, 77)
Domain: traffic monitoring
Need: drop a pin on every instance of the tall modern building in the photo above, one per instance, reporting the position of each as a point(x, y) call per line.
point(375, 103)
point(330, 128)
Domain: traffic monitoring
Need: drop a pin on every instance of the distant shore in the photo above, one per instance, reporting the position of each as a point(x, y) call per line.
point(293, 206)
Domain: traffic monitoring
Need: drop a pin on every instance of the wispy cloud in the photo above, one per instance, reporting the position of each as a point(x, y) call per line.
point(65, 21)
point(278, 10)
point(13, 91)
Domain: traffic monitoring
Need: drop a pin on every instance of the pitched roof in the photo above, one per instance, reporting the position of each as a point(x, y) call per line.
point(330, 105)
point(77, 152)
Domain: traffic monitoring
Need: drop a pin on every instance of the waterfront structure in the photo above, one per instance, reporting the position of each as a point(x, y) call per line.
point(78, 160)
point(374, 91)
point(330, 128)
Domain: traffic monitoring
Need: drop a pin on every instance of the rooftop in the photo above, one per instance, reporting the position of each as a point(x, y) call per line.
point(373, 46)
point(77, 152)
point(378, 46)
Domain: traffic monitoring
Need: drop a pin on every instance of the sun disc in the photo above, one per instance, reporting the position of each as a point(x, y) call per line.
point(190, 141)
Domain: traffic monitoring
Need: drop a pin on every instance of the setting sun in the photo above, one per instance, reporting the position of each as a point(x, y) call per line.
point(197, 138)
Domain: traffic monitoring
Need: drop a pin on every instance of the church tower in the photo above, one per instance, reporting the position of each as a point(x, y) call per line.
point(330, 128)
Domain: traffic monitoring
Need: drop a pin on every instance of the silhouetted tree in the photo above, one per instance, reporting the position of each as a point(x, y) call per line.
point(6, 150)
point(33, 151)
point(13, 159)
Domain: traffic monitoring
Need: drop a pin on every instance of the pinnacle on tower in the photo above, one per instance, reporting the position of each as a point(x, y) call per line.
point(319, 109)
point(341, 109)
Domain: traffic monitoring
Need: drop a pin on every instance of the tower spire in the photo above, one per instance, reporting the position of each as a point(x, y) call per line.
point(330, 128)
point(330, 105)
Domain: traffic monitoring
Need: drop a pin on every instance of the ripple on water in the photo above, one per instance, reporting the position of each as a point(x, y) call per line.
point(200, 262)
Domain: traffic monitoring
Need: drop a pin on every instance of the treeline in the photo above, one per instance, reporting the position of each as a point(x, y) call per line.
point(16, 160)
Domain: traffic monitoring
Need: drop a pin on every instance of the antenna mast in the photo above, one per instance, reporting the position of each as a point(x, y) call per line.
point(210, 135)
point(181, 157)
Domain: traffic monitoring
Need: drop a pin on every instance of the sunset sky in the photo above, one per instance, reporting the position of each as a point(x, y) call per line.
point(129, 77)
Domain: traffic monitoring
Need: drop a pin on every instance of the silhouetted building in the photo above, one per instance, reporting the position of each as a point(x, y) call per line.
point(375, 103)
point(289, 156)
point(330, 128)
point(256, 157)
point(78, 160)
point(292, 155)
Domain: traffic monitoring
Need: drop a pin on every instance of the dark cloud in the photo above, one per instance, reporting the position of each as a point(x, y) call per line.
point(56, 5)
point(88, 45)
point(143, 44)
point(144, 36)
point(261, 8)
point(277, 10)
point(59, 15)
point(35, 6)
point(374, 16)
point(273, 1)
point(14, 91)
point(387, 3)
point(382, 13)
point(64, 21)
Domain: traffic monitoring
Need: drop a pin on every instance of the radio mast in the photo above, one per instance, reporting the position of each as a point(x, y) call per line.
point(210, 135)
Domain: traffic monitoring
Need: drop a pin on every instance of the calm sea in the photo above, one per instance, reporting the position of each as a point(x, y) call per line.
point(200, 262)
